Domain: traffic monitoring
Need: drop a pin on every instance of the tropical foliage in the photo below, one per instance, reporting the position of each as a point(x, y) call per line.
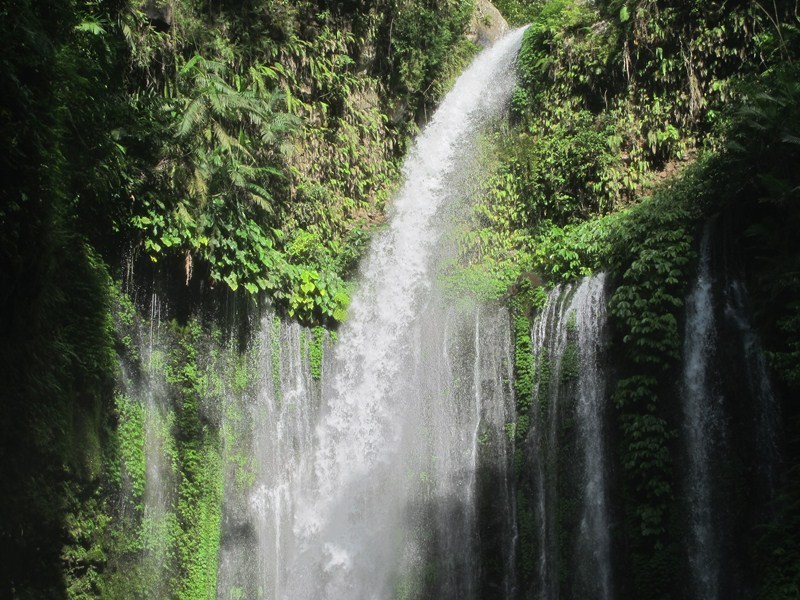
point(218, 152)
point(225, 151)
point(632, 123)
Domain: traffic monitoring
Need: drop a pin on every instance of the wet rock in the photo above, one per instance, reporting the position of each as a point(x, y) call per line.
point(487, 24)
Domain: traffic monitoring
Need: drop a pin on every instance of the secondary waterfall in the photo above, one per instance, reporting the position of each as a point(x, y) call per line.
point(369, 486)
point(142, 398)
point(566, 446)
point(759, 388)
point(594, 543)
point(728, 404)
point(702, 428)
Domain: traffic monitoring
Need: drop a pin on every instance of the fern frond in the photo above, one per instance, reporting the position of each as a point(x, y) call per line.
point(228, 143)
point(192, 117)
point(90, 26)
point(195, 60)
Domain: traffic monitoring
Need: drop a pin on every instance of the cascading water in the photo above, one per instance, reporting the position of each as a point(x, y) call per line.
point(459, 398)
point(272, 433)
point(547, 346)
point(594, 543)
point(143, 397)
point(567, 444)
point(759, 387)
point(728, 404)
point(372, 492)
point(702, 422)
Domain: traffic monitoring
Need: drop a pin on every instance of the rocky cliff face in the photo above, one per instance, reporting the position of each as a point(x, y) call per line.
point(487, 24)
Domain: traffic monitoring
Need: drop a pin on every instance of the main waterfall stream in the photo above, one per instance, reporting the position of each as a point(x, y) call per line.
point(369, 488)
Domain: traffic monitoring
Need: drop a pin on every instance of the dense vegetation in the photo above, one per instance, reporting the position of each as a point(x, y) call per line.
point(634, 123)
point(213, 151)
point(222, 152)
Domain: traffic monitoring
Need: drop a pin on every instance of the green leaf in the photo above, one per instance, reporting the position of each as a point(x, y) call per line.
point(624, 15)
point(92, 27)
point(192, 62)
point(231, 281)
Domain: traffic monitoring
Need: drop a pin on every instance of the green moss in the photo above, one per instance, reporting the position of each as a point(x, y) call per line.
point(572, 322)
point(570, 362)
point(304, 342)
point(510, 429)
point(131, 440)
point(521, 428)
point(242, 374)
point(523, 364)
point(544, 373)
point(316, 350)
point(199, 514)
point(276, 356)
point(236, 593)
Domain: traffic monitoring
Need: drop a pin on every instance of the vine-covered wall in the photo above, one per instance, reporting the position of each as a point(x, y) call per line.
point(637, 122)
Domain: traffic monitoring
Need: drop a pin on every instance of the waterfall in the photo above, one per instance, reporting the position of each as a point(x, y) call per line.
point(396, 428)
point(728, 405)
point(567, 454)
point(702, 422)
point(367, 484)
point(759, 388)
point(594, 543)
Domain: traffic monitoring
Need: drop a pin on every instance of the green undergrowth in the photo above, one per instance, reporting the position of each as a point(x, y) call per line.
point(632, 123)
point(251, 147)
point(199, 494)
point(179, 436)
point(316, 351)
point(610, 102)
point(276, 133)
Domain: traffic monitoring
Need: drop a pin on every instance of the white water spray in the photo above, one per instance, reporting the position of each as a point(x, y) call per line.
point(701, 427)
point(568, 341)
point(594, 542)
